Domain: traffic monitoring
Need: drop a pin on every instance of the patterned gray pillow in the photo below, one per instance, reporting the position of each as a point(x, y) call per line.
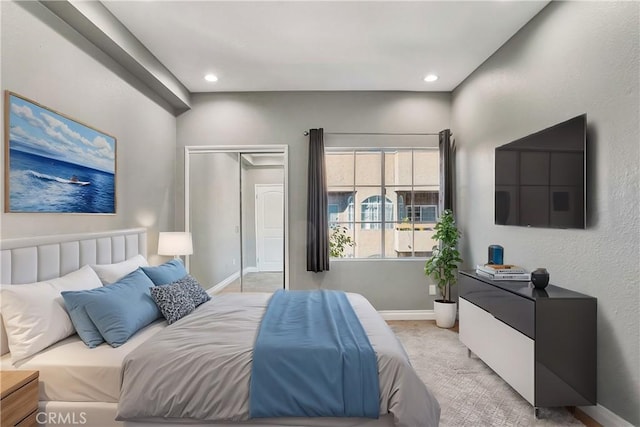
point(174, 301)
point(196, 292)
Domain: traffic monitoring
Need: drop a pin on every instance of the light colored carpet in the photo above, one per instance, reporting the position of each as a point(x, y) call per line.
point(257, 282)
point(469, 392)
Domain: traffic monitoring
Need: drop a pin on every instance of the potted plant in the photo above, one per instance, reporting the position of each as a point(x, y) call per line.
point(442, 266)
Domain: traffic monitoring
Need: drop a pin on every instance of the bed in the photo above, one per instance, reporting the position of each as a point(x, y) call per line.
point(87, 383)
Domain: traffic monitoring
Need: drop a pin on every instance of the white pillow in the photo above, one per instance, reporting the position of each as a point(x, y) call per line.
point(34, 314)
point(4, 344)
point(111, 273)
point(79, 280)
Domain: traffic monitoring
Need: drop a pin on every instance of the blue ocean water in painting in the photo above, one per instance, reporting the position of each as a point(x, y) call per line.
point(43, 184)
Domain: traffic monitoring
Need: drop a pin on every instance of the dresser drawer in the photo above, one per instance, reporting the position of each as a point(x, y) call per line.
point(508, 352)
point(20, 403)
point(30, 421)
point(514, 310)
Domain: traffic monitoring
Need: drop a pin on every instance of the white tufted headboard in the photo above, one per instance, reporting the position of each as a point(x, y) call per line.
point(33, 259)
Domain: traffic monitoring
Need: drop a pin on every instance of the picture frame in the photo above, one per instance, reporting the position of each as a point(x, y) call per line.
point(55, 163)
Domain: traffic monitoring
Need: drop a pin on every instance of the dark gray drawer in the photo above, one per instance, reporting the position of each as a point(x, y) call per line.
point(512, 309)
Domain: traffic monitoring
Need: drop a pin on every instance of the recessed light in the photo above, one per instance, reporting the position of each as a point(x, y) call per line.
point(211, 78)
point(430, 78)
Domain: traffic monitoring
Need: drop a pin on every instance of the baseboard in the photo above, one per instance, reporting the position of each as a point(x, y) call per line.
point(407, 314)
point(224, 283)
point(227, 281)
point(604, 416)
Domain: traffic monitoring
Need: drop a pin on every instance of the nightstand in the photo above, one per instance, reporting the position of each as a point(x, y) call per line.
point(19, 393)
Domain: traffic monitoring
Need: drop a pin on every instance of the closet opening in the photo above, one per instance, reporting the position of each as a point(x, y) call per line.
point(236, 209)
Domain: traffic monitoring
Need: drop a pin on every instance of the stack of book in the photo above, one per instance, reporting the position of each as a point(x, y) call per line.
point(503, 272)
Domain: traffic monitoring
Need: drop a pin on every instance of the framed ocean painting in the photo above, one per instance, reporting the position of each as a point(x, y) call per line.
point(54, 163)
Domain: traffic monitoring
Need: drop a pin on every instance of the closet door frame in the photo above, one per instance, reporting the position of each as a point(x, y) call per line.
point(190, 150)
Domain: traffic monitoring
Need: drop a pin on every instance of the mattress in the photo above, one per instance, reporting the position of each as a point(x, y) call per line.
point(200, 368)
point(72, 372)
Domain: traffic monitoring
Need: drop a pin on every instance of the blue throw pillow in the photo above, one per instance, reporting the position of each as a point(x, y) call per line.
point(166, 273)
point(120, 309)
point(75, 302)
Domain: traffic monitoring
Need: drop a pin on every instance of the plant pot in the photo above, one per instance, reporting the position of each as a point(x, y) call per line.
point(445, 312)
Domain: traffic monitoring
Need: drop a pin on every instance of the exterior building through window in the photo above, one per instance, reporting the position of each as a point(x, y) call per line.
point(386, 198)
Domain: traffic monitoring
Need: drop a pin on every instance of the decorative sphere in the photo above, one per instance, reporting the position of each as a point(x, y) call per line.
point(540, 278)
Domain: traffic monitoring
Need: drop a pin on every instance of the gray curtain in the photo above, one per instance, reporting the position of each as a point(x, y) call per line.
point(317, 226)
point(446, 170)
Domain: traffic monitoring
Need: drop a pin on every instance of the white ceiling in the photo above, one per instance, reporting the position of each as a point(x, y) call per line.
point(323, 45)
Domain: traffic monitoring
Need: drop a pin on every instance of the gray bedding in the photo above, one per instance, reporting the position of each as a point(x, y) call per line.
point(199, 367)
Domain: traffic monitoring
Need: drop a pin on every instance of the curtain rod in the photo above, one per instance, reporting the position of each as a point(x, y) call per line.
point(306, 133)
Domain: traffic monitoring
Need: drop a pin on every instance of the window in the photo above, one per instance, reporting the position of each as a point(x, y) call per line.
point(386, 198)
point(371, 213)
point(333, 214)
point(340, 208)
point(422, 213)
point(418, 206)
point(350, 211)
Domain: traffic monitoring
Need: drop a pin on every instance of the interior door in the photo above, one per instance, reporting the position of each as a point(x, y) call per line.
point(269, 227)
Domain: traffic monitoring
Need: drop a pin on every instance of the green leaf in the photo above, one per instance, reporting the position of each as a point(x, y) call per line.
point(444, 260)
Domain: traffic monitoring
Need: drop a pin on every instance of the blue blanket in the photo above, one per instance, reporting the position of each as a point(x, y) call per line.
point(312, 358)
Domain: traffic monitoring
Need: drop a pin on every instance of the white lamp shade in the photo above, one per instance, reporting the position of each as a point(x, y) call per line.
point(175, 243)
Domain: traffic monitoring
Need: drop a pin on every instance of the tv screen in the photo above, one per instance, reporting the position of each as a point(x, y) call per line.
point(540, 179)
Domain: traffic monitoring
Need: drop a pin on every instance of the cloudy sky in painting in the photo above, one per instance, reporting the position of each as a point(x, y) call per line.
point(39, 131)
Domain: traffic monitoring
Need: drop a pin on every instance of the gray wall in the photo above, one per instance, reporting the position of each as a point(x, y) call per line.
point(46, 61)
point(573, 58)
point(280, 118)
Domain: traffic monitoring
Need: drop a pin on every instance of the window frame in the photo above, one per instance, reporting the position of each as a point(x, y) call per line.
point(383, 224)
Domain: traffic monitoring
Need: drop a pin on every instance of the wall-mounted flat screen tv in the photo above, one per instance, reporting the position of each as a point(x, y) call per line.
point(540, 179)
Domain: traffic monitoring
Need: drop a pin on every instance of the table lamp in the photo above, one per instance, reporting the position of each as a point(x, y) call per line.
point(175, 243)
